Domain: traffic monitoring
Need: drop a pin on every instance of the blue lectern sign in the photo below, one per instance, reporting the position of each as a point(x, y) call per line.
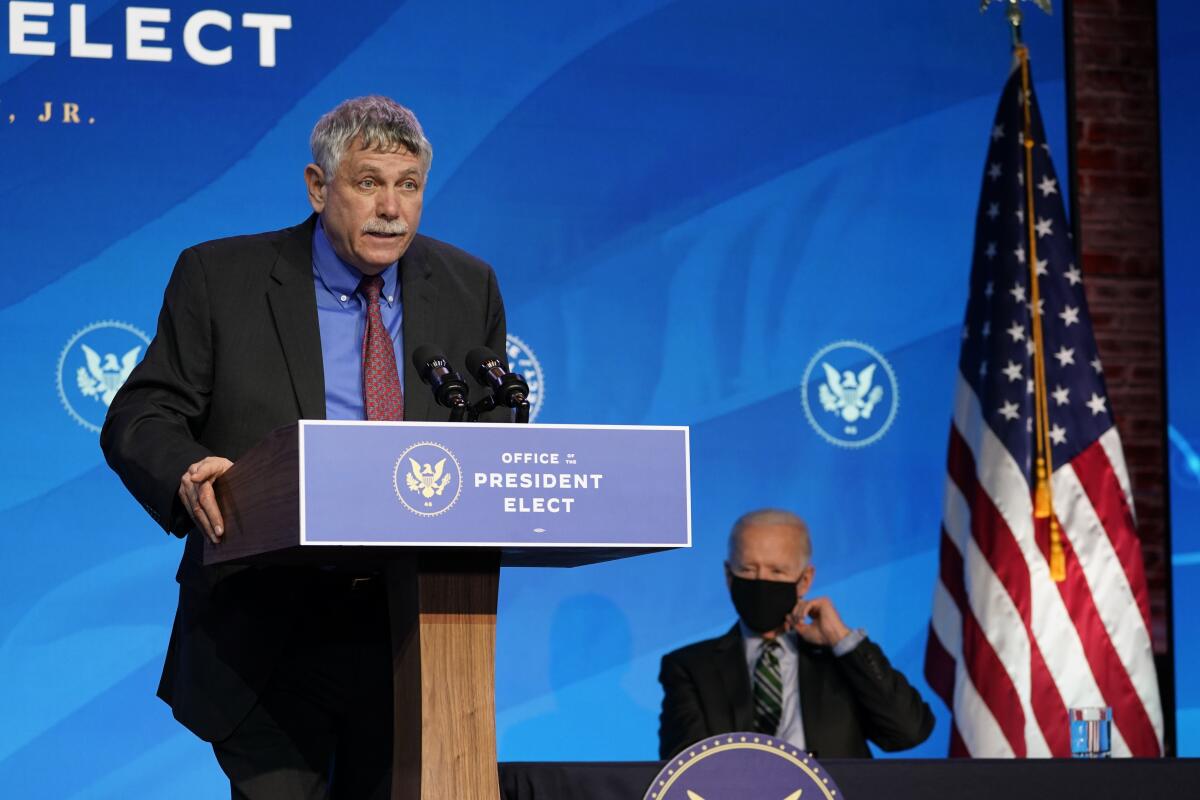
point(442, 484)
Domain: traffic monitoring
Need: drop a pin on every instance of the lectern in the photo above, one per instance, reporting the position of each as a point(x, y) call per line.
point(437, 509)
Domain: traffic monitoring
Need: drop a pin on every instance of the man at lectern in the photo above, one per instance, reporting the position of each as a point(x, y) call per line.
point(789, 668)
point(287, 671)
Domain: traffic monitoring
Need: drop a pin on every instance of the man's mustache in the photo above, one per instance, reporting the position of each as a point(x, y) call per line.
point(396, 227)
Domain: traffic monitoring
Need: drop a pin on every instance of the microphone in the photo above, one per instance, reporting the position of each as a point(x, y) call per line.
point(508, 388)
point(449, 389)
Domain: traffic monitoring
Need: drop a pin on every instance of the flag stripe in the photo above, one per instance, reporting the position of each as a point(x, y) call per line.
point(1116, 688)
point(947, 622)
point(993, 656)
point(993, 683)
point(1111, 441)
point(958, 748)
point(946, 625)
point(1038, 697)
point(951, 571)
point(984, 734)
point(1048, 704)
point(1107, 580)
point(1098, 477)
point(939, 667)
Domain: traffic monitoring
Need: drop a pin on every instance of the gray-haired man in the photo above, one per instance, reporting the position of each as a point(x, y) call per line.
point(288, 671)
point(789, 667)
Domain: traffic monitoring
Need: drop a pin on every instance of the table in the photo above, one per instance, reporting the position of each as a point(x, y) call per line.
point(895, 779)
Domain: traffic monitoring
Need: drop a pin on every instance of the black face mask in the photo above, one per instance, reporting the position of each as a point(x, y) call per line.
point(762, 605)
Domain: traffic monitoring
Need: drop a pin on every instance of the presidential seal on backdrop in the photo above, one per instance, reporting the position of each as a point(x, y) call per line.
point(734, 766)
point(850, 394)
point(93, 365)
point(427, 479)
point(522, 361)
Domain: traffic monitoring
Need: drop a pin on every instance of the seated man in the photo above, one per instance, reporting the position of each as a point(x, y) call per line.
point(790, 667)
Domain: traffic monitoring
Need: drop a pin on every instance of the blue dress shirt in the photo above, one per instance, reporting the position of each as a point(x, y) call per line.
point(791, 723)
point(342, 317)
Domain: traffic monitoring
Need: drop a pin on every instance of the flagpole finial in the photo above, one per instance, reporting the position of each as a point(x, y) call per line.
point(1014, 14)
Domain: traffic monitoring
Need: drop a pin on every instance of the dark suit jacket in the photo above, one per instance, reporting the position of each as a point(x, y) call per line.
point(843, 700)
point(237, 353)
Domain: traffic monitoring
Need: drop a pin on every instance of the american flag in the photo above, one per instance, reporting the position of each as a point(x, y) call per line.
point(1010, 649)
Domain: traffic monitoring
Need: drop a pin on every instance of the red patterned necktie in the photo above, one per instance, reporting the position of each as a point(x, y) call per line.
point(382, 397)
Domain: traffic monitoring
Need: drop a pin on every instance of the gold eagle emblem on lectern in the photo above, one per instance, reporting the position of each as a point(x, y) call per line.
point(427, 479)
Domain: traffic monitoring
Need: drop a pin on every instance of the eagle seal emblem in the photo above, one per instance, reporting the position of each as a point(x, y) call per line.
point(736, 765)
point(104, 375)
point(427, 479)
point(93, 365)
point(850, 394)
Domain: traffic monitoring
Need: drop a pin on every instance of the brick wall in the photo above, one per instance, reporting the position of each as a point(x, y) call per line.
point(1113, 69)
point(1113, 96)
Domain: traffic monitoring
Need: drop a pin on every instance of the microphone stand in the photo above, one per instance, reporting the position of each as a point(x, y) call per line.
point(482, 407)
point(489, 403)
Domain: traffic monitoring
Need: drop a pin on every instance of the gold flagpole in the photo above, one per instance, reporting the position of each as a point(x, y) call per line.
point(1043, 500)
point(1043, 505)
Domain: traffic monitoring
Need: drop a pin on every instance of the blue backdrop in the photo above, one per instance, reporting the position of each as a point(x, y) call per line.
point(1179, 61)
point(699, 196)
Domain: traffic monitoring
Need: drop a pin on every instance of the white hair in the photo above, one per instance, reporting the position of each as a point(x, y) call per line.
point(771, 516)
point(373, 122)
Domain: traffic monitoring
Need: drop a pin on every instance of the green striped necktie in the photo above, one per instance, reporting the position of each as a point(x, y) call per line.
point(768, 689)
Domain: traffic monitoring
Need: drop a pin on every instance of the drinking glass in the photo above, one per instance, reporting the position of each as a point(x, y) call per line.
point(1091, 731)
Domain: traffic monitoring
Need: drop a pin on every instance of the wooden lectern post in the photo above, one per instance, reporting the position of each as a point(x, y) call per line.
point(443, 611)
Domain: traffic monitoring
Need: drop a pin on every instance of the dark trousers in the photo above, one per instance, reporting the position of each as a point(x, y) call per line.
point(323, 725)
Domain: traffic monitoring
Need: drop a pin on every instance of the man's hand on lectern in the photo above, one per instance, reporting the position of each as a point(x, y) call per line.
point(196, 492)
